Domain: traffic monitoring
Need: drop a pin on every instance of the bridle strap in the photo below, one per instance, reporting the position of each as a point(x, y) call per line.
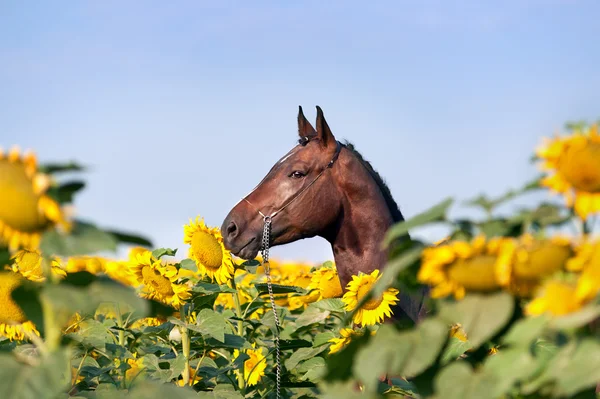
point(338, 149)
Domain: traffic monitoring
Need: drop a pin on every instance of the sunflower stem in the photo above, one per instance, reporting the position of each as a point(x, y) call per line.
point(121, 339)
point(53, 333)
point(240, 329)
point(185, 348)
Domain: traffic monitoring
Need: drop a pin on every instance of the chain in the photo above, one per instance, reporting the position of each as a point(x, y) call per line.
point(266, 243)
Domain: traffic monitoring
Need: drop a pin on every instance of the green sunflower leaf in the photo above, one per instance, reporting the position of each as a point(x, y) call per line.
point(160, 252)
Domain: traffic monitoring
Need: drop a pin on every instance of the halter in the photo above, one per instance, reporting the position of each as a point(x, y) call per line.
point(266, 241)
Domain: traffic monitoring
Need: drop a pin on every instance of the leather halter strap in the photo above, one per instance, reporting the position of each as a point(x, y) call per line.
point(338, 149)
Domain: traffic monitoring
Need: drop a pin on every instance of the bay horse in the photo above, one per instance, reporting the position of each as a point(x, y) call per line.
point(322, 188)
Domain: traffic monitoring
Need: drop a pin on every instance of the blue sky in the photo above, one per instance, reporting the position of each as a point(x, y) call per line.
point(180, 108)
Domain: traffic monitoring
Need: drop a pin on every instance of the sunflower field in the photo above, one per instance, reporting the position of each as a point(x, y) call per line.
point(513, 308)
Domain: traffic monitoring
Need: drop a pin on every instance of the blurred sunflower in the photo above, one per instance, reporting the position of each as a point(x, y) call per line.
point(28, 263)
point(376, 308)
point(118, 271)
point(557, 297)
point(346, 334)
point(159, 281)
point(587, 261)
point(91, 264)
point(524, 262)
point(13, 322)
point(574, 162)
point(456, 331)
point(327, 282)
point(254, 367)
point(460, 266)
point(26, 211)
point(208, 251)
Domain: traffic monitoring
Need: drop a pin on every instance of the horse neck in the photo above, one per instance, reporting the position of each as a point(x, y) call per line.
point(363, 221)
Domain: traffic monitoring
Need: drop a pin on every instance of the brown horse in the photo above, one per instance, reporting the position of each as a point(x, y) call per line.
point(321, 188)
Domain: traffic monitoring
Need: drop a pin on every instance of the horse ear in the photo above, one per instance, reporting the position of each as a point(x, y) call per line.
point(323, 130)
point(305, 129)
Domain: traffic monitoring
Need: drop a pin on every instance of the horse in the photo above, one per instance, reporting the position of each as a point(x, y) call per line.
point(323, 188)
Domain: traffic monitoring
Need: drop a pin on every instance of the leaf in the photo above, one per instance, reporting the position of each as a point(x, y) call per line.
point(84, 239)
point(575, 320)
point(64, 193)
point(160, 252)
point(221, 391)
point(312, 369)
point(300, 355)
point(525, 331)
point(286, 344)
point(208, 288)
point(51, 168)
point(323, 338)
point(92, 334)
point(330, 304)
point(27, 296)
point(575, 367)
point(262, 289)
point(509, 366)
point(434, 214)
point(481, 316)
point(406, 353)
point(457, 381)
point(211, 323)
point(188, 264)
point(129, 238)
point(155, 390)
point(454, 349)
point(311, 315)
point(391, 271)
point(231, 341)
point(43, 381)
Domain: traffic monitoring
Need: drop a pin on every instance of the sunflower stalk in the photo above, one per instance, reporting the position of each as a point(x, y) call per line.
point(185, 347)
point(240, 326)
point(121, 338)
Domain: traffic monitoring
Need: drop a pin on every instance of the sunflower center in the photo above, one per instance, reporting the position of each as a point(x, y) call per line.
point(207, 250)
point(10, 312)
point(372, 303)
point(476, 274)
point(544, 259)
point(580, 165)
point(19, 207)
point(158, 282)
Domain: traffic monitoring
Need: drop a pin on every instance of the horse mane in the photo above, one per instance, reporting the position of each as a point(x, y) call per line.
point(385, 190)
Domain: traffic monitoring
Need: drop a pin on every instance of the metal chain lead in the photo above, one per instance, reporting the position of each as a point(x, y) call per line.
point(266, 243)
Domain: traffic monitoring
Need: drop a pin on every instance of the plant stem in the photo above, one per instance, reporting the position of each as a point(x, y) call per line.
point(185, 347)
point(53, 333)
point(121, 340)
point(240, 329)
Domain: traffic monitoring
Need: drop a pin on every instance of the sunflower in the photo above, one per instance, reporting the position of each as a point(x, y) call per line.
point(457, 331)
point(254, 367)
point(460, 266)
point(25, 209)
point(208, 251)
point(346, 334)
point(13, 322)
point(159, 281)
point(524, 262)
point(119, 271)
point(376, 308)
point(587, 261)
point(327, 282)
point(574, 162)
point(91, 264)
point(557, 297)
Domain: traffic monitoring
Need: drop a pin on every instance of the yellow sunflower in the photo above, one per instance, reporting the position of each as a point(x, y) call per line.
point(375, 309)
point(159, 281)
point(25, 210)
point(327, 282)
point(461, 266)
point(208, 251)
point(574, 164)
point(254, 367)
point(13, 322)
point(524, 262)
point(587, 261)
point(556, 297)
point(346, 334)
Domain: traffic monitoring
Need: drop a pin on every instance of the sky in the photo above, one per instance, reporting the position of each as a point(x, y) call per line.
point(180, 108)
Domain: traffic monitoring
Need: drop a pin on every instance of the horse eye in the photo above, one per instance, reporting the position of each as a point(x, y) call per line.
point(297, 174)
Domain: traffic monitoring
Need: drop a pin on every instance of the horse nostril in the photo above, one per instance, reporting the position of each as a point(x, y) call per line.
point(232, 229)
